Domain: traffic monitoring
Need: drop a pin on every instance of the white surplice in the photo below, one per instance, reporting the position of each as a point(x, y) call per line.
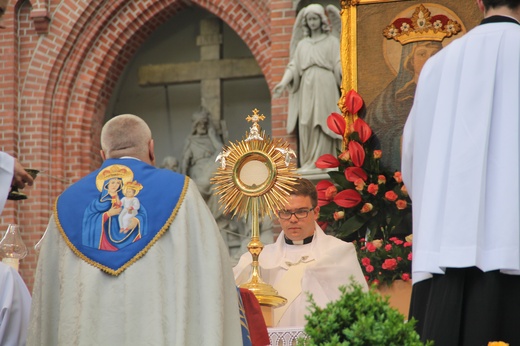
point(180, 293)
point(319, 267)
point(6, 177)
point(461, 155)
point(15, 304)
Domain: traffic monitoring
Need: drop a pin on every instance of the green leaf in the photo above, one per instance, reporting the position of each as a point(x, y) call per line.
point(352, 224)
point(339, 178)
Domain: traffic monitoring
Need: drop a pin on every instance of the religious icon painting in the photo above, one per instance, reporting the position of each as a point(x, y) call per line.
point(117, 217)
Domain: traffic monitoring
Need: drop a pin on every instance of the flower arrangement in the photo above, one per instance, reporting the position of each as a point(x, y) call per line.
point(364, 203)
point(384, 262)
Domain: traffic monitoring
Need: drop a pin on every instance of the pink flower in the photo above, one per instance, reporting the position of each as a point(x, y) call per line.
point(331, 192)
point(338, 215)
point(396, 240)
point(401, 204)
point(344, 156)
point(371, 247)
point(391, 196)
point(369, 268)
point(389, 264)
point(365, 261)
point(360, 184)
point(388, 247)
point(377, 243)
point(366, 208)
point(373, 189)
point(405, 277)
point(398, 177)
point(410, 256)
point(407, 244)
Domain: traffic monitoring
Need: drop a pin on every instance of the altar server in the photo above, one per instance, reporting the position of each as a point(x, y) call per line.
point(461, 165)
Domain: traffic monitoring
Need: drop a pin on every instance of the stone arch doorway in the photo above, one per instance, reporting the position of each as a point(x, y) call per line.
point(68, 61)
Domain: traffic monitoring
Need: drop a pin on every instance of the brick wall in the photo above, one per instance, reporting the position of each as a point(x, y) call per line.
point(59, 63)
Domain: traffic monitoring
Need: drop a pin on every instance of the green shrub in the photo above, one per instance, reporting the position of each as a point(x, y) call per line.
point(358, 318)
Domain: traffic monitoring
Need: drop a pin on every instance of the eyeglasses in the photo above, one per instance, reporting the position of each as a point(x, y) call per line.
point(300, 214)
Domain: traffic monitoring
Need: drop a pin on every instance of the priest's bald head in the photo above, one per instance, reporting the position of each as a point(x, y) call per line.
point(127, 135)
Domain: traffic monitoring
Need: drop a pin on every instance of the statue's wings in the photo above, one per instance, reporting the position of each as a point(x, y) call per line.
point(335, 20)
point(297, 33)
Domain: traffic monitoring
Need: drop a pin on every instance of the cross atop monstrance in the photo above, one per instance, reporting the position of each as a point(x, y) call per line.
point(254, 178)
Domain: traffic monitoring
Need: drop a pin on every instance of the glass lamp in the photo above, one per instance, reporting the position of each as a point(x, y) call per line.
point(12, 247)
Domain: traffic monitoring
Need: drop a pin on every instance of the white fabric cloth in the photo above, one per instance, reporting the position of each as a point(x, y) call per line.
point(329, 263)
point(6, 177)
point(15, 305)
point(180, 293)
point(461, 155)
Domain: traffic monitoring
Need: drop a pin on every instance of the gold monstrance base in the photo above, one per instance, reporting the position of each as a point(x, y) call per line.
point(255, 178)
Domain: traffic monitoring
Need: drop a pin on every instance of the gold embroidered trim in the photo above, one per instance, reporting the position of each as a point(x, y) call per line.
point(139, 254)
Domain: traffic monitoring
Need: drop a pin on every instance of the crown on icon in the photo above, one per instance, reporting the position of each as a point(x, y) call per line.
point(134, 185)
point(115, 171)
point(422, 27)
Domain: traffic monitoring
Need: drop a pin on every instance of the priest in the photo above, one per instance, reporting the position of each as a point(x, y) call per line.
point(164, 279)
point(303, 260)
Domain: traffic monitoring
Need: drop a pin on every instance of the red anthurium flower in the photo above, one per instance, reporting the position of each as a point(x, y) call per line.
point(323, 185)
point(336, 123)
point(357, 153)
point(354, 173)
point(347, 198)
point(353, 102)
point(327, 161)
point(362, 128)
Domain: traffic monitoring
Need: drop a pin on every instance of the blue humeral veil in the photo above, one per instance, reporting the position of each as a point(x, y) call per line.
point(109, 229)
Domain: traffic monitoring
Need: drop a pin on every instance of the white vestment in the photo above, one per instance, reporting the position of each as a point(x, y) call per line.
point(15, 304)
point(6, 177)
point(461, 155)
point(320, 267)
point(180, 293)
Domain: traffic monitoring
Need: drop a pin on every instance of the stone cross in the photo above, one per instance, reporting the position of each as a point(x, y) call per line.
point(210, 70)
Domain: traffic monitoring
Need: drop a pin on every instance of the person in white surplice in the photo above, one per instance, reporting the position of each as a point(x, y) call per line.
point(15, 300)
point(461, 166)
point(169, 283)
point(303, 259)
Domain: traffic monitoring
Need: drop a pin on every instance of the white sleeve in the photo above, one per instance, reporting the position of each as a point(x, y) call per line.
point(6, 177)
point(15, 305)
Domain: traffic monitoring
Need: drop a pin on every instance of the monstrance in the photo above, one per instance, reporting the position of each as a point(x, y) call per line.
point(254, 178)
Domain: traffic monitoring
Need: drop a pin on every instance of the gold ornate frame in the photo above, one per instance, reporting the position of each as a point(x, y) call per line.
point(352, 28)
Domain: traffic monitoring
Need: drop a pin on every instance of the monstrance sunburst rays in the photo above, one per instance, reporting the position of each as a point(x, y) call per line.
point(236, 194)
point(254, 178)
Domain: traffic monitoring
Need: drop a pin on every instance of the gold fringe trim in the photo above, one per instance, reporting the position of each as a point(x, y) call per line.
point(140, 253)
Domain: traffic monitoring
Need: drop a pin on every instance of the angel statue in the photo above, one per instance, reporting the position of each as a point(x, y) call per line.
point(313, 78)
